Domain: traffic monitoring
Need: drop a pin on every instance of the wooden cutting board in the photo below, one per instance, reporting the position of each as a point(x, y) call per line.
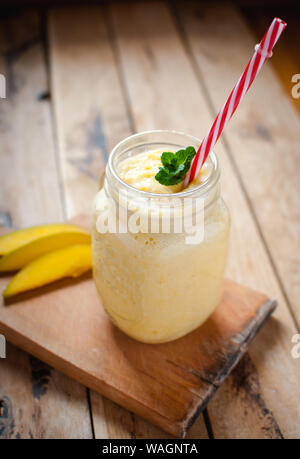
point(167, 384)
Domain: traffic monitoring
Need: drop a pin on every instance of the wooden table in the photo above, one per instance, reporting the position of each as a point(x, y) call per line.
point(81, 79)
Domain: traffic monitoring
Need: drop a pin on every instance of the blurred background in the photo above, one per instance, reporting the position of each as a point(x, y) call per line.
point(257, 15)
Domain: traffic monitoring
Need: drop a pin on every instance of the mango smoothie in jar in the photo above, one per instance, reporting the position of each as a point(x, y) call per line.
point(158, 277)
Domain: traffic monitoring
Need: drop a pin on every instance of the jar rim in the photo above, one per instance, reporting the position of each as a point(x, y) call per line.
point(204, 187)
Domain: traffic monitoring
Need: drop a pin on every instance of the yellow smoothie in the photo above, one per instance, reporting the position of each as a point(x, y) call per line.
point(139, 171)
point(154, 286)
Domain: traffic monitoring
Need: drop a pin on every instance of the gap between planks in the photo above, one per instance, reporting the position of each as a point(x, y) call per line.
point(46, 49)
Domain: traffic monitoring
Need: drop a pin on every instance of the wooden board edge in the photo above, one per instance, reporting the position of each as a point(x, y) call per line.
point(175, 428)
point(72, 371)
point(250, 332)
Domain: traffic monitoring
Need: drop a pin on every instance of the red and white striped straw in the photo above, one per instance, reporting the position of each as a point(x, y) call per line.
point(262, 51)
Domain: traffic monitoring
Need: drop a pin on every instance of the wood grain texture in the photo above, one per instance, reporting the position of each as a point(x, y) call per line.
point(162, 97)
point(168, 384)
point(29, 182)
point(240, 399)
point(90, 115)
point(263, 142)
point(163, 86)
point(36, 400)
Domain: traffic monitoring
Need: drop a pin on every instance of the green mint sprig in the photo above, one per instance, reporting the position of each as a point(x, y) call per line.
point(175, 165)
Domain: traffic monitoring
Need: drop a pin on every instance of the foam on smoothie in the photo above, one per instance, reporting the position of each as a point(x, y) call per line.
point(139, 172)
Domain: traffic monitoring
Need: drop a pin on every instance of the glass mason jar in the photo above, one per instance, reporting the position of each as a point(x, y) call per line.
point(154, 285)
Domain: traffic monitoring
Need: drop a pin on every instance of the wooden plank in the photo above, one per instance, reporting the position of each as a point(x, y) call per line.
point(252, 136)
point(29, 183)
point(91, 117)
point(167, 384)
point(36, 400)
point(89, 110)
point(122, 425)
point(164, 93)
point(263, 136)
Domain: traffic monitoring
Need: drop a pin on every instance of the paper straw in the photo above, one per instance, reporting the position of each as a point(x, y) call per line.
point(262, 51)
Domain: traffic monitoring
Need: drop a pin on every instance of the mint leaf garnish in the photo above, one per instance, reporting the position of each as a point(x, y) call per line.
point(175, 165)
